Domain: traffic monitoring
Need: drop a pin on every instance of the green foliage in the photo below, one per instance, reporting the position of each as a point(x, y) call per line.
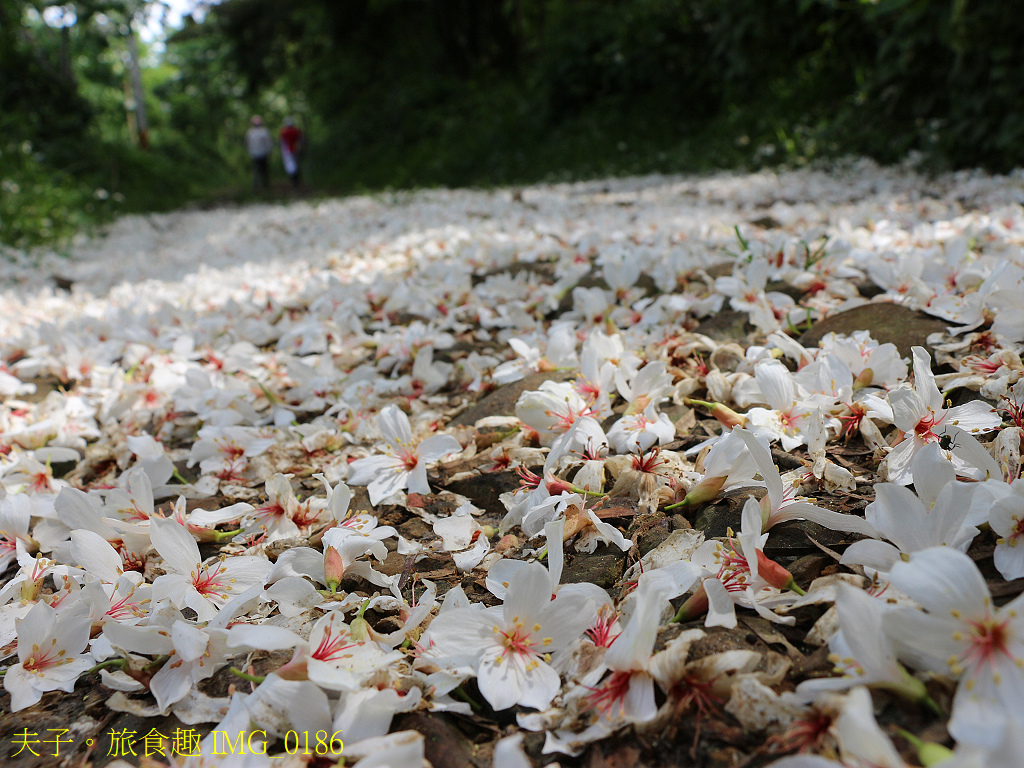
point(399, 93)
point(35, 206)
point(413, 92)
point(68, 156)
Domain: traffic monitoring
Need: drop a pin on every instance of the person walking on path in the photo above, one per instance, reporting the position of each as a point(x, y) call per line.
point(259, 144)
point(291, 147)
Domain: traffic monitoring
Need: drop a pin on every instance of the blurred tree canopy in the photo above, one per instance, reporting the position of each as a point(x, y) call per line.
point(420, 92)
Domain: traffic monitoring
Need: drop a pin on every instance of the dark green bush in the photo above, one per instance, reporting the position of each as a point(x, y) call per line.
point(398, 93)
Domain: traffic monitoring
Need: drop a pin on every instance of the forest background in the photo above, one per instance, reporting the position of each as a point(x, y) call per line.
point(398, 94)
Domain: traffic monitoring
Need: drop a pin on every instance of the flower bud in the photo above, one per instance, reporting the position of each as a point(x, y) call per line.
point(930, 753)
point(557, 487)
point(773, 573)
point(696, 605)
point(360, 630)
point(726, 416)
point(334, 568)
point(207, 535)
point(706, 490)
point(864, 379)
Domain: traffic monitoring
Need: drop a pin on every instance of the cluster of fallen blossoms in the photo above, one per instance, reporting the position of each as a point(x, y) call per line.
point(209, 477)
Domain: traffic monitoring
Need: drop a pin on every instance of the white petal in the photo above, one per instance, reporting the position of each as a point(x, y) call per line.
point(21, 685)
point(837, 521)
point(94, 553)
point(189, 641)
point(265, 637)
point(368, 713)
point(721, 608)
point(364, 471)
point(528, 594)
point(390, 481)
point(861, 738)
point(500, 575)
point(931, 472)
point(508, 753)
point(924, 379)
point(978, 717)
point(554, 532)
point(631, 650)
point(171, 684)
point(765, 465)
point(943, 580)
point(437, 447)
point(861, 616)
point(528, 682)
point(175, 545)
point(776, 384)
point(394, 426)
point(871, 553)
point(923, 641)
point(35, 628)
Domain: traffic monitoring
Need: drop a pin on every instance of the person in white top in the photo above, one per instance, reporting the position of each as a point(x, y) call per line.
point(259, 144)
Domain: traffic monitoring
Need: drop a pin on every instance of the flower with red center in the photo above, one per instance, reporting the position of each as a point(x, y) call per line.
point(919, 414)
point(649, 463)
point(212, 582)
point(924, 428)
point(404, 463)
point(500, 462)
point(788, 417)
point(961, 634)
point(224, 452)
point(587, 390)
point(989, 640)
point(692, 693)
point(50, 654)
point(811, 733)
point(734, 576)
point(611, 693)
point(269, 512)
point(124, 606)
point(982, 365)
point(734, 569)
point(276, 519)
point(851, 420)
point(552, 410)
point(188, 582)
point(1007, 519)
point(641, 431)
point(42, 481)
point(305, 514)
point(510, 647)
point(528, 479)
point(605, 629)
point(339, 660)
point(331, 645)
point(627, 694)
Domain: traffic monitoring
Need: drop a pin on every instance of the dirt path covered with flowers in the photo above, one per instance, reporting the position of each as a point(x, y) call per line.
point(711, 471)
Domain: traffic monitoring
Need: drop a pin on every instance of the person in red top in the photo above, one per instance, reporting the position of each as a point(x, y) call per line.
point(291, 147)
